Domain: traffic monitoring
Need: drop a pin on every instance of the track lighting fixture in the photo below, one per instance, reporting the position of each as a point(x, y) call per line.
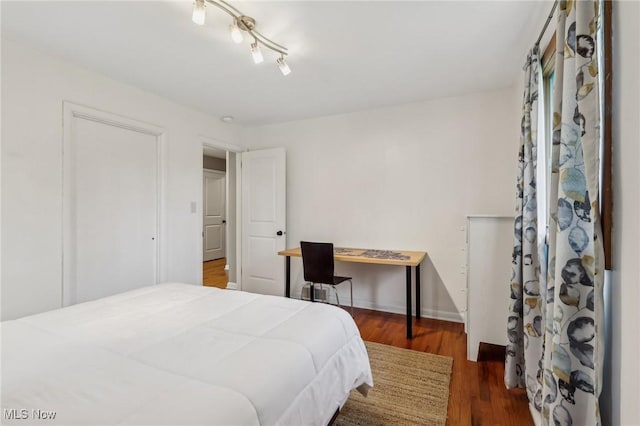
point(284, 67)
point(242, 23)
point(199, 12)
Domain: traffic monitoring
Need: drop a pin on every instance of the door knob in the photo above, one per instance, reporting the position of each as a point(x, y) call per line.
point(279, 233)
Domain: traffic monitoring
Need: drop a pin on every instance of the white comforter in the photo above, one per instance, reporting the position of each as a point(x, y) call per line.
point(183, 355)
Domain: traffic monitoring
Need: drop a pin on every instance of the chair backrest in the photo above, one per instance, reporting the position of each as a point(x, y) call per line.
point(317, 262)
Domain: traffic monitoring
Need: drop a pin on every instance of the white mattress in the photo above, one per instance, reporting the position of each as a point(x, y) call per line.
point(184, 355)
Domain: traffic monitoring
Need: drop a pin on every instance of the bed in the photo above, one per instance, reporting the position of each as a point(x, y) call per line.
point(183, 355)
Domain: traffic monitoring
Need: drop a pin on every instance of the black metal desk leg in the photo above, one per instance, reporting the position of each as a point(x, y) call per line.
point(287, 288)
point(418, 291)
point(409, 316)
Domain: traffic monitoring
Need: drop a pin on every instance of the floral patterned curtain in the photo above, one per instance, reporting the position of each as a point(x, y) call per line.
point(568, 375)
point(574, 327)
point(524, 326)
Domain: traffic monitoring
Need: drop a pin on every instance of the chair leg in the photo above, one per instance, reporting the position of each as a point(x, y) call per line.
point(337, 297)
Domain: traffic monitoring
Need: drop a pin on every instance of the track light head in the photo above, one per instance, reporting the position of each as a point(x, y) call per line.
point(284, 67)
point(199, 12)
point(256, 52)
point(235, 33)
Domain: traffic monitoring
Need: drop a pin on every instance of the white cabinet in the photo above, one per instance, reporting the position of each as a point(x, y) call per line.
point(489, 249)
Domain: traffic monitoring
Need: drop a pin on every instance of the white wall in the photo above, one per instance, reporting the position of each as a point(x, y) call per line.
point(623, 371)
point(402, 177)
point(34, 86)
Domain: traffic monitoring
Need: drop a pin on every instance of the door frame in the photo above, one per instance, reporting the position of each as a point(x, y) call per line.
point(70, 111)
point(208, 142)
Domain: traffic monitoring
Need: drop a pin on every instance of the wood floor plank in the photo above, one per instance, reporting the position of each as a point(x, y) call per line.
point(213, 273)
point(477, 394)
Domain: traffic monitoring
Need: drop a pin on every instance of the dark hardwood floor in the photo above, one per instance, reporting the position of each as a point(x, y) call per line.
point(477, 392)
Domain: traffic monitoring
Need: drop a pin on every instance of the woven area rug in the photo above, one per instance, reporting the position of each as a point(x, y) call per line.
point(410, 388)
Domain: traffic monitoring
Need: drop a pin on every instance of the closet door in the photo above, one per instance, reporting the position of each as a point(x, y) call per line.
point(214, 217)
point(111, 209)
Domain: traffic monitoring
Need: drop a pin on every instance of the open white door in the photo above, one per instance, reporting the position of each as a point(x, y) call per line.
point(263, 220)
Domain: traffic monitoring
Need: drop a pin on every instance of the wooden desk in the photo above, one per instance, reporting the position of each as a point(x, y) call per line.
point(407, 259)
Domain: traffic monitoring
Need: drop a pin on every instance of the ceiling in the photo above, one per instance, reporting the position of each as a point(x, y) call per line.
point(344, 56)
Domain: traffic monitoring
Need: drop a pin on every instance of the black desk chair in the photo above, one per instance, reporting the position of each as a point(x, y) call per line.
point(318, 266)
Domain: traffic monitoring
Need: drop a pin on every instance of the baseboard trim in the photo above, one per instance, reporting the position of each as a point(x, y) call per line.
point(425, 313)
point(232, 286)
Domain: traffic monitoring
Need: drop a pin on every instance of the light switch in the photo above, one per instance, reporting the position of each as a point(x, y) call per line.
point(193, 207)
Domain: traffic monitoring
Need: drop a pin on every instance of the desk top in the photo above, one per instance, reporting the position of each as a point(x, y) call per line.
point(379, 257)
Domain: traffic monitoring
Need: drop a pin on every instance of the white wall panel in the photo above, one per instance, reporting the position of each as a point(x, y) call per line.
point(34, 86)
point(402, 177)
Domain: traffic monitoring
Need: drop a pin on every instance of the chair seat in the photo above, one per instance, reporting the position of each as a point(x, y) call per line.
point(338, 280)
